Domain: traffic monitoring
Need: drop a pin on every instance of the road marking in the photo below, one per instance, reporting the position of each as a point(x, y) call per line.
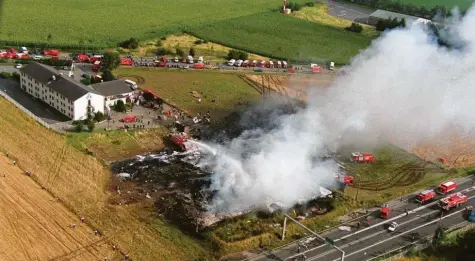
point(403, 233)
point(375, 234)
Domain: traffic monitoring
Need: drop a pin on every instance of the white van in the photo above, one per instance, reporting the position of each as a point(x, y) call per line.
point(231, 62)
point(200, 59)
point(332, 65)
point(238, 63)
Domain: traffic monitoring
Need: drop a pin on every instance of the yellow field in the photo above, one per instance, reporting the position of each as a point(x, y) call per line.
point(37, 227)
point(81, 183)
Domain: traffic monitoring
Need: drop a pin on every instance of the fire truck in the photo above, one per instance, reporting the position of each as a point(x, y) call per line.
point(453, 201)
point(446, 187)
point(181, 139)
point(362, 157)
point(425, 196)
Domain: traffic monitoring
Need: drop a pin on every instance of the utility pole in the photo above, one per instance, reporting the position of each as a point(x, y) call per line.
point(283, 230)
point(325, 241)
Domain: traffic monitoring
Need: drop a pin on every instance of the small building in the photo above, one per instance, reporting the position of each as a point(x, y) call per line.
point(383, 14)
point(62, 93)
point(113, 91)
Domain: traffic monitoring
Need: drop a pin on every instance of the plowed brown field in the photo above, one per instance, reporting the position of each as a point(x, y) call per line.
point(293, 86)
point(35, 226)
point(459, 150)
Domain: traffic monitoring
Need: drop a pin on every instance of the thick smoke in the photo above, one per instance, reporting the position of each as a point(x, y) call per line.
point(403, 89)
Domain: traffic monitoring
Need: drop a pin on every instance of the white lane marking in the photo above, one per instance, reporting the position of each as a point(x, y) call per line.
point(403, 215)
point(403, 233)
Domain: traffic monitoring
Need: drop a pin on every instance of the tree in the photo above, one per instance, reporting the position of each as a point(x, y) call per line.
point(161, 51)
point(110, 61)
point(179, 51)
point(79, 125)
point(192, 52)
point(120, 106)
point(91, 125)
point(107, 76)
point(148, 96)
point(243, 55)
point(131, 43)
point(233, 54)
point(439, 237)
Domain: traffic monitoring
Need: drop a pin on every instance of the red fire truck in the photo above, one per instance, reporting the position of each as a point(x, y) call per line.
point(446, 187)
point(425, 196)
point(453, 201)
point(362, 157)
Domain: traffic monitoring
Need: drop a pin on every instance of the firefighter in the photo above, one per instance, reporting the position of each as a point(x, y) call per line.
point(298, 248)
point(6, 154)
point(358, 225)
point(82, 219)
point(73, 225)
point(14, 162)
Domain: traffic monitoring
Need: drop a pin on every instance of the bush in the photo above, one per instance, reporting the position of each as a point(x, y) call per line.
point(235, 54)
point(86, 81)
point(132, 43)
point(163, 38)
point(199, 41)
point(294, 6)
point(389, 23)
point(5, 75)
point(162, 51)
point(310, 4)
point(91, 125)
point(192, 52)
point(355, 27)
point(99, 116)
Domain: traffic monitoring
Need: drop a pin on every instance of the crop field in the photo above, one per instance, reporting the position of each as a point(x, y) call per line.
point(30, 214)
point(272, 34)
point(463, 4)
point(115, 145)
point(81, 183)
point(182, 88)
point(107, 22)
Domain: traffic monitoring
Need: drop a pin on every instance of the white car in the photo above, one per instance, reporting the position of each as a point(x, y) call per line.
point(18, 65)
point(392, 227)
point(176, 59)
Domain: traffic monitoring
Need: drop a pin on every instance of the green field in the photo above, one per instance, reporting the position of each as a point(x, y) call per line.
point(463, 4)
point(176, 87)
point(107, 22)
point(275, 35)
point(250, 25)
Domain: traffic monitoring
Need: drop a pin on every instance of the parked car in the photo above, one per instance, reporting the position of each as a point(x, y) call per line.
point(18, 65)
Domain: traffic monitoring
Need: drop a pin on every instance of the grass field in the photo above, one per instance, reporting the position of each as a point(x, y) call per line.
point(107, 22)
point(463, 4)
point(81, 183)
point(30, 214)
point(285, 37)
point(116, 145)
point(176, 87)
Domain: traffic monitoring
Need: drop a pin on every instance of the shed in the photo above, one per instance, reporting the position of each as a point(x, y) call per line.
point(383, 14)
point(113, 91)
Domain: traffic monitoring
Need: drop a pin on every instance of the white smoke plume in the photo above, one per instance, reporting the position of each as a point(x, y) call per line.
point(404, 88)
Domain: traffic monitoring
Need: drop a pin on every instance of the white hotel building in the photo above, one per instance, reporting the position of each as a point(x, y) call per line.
point(68, 96)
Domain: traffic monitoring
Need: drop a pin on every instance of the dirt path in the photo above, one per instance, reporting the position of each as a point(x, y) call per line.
point(36, 227)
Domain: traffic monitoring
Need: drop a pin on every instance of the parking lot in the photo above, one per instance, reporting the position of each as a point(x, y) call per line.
point(38, 108)
point(349, 11)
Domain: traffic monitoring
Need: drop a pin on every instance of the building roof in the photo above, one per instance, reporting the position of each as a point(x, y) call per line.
point(64, 85)
point(383, 14)
point(112, 88)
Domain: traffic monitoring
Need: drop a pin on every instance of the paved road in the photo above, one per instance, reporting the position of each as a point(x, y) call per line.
point(348, 11)
point(369, 241)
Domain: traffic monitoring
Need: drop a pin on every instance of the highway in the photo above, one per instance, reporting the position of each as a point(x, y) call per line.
point(367, 242)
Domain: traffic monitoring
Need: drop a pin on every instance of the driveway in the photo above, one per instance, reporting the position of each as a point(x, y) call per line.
point(38, 108)
point(348, 11)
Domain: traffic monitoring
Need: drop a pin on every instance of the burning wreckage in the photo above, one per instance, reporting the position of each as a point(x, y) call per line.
point(180, 185)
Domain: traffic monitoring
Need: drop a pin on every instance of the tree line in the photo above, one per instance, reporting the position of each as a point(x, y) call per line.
point(405, 8)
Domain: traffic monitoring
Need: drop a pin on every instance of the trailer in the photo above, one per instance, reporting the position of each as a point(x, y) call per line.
point(362, 157)
point(425, 196)
point(453, 201)
point(446, 187)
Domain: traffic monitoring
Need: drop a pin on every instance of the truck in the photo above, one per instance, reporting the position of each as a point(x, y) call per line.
point(362, 157)
point(126, 61)
point(231, 62)
point(453, 201)
point(332, 66)
point(189, 59)
point(51, 52)
point(446, 187)
point(96, 66)
point(181, 140)
point(198, 66)
point(425, 196)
